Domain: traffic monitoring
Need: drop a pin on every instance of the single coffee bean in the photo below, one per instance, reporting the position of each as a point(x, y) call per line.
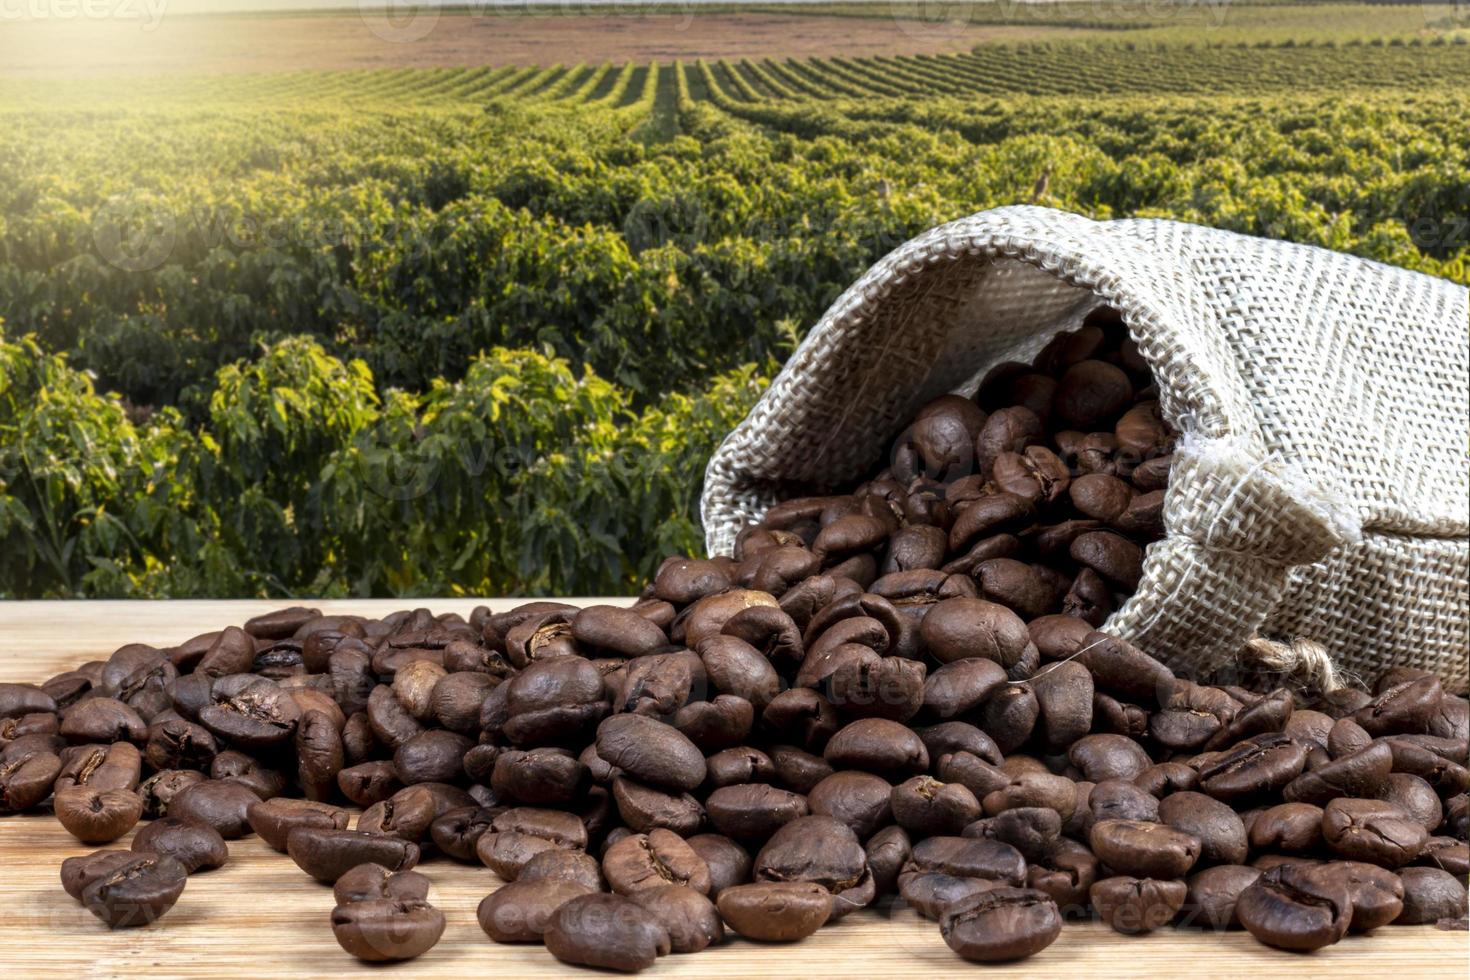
point(1430, 894)
point(651, 752)
point(966, 857)
point(371, 882)
point(1298, 908)
point(196, 846)
point(1001, 924)
point(223, 804)
point(607, 931)
point(929, 893)
point(136, 892)
point(927, 807)
point(753, 811)
point(1377, 894)
point(824, 851)
point(878, 746)
point(327, 854)
point(1372, 831)
point(1255, 768)
point(962, 628)
point(518, 912)
point(1033, 830)
point(651, 860)
point(387, 930)
point(729, 863)
point(1212, 894)
point(79, 872)
point(645, 807)
point(1141, 849)
point(691, 919)
point(887, 851)
point(97, 816)
point(1106, 756)
point(159, 789)
point(274, 819)
point(1136, 905)
point(775, 911)
point(1292, 827)
point(1220, 830)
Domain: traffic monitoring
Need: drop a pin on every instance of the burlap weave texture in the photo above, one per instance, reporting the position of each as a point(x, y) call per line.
point(1320, 490)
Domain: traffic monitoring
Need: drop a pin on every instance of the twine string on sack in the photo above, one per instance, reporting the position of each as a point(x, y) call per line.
point(1304, 661)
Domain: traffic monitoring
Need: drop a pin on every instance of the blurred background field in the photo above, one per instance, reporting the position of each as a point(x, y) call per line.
point(466, 314)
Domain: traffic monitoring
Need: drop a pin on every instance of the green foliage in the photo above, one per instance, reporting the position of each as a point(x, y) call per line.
point(523, 477)
point(419, 332)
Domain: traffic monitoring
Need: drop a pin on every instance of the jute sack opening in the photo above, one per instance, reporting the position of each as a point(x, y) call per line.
point(1318, 500)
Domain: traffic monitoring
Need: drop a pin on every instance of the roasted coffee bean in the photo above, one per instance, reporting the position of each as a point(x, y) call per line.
point(406, 814)
point(159, 789)
point(371, 882)
point(753, 811)
point(1430, 894)
point(645, 807)
point(924, 806)
point(1255, 768)
point(542, 776)
point(79, 872)
point(1377, 895)
point(1220, 830)
point(1211, 895)
point(1363, 773)
point(136, 892)
point(887, 852)
point(879, 746)
point(607, 931)
point(690, 917)
point(1372, 831)
point(1291, 827)
point(1101, 757)
point(929, 893)
point(821, 850)
point(1001, 924)
point(195, 846)
point(962, 628)
point(858, 799)
point(95, 816)
point(1135, 905)
point(219, 803)
point(457, 831)
point(387, 930)
point(1415, 797)
point(518, 912)
point(729, 863)
point(1298, 908)
point(650, 860)
point(1033, 830)
point(102, 720)
point(1402, 709)
point(1034, 789)
point(558, 865)
point(775, 911)
point(327, 854)
point(960, 687)
point(1142, 849)
point(237, 767)
point(965, 857)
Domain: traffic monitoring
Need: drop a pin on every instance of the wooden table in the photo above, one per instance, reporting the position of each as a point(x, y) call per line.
point(260, 916)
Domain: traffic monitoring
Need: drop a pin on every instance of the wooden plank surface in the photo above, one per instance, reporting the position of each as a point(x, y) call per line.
point(260, 916)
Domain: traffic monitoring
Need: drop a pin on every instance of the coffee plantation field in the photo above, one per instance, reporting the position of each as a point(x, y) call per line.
point(475, 330)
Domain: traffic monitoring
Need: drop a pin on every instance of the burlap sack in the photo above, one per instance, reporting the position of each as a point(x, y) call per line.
point(1320, 490)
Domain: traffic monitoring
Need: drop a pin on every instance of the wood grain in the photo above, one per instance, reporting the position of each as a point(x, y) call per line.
point(259, 916)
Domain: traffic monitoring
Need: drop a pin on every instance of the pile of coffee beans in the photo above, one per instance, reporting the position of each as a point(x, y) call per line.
point(893, 693)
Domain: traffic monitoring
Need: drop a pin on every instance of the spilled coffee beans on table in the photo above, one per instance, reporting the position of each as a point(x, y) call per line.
point(896, 693)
